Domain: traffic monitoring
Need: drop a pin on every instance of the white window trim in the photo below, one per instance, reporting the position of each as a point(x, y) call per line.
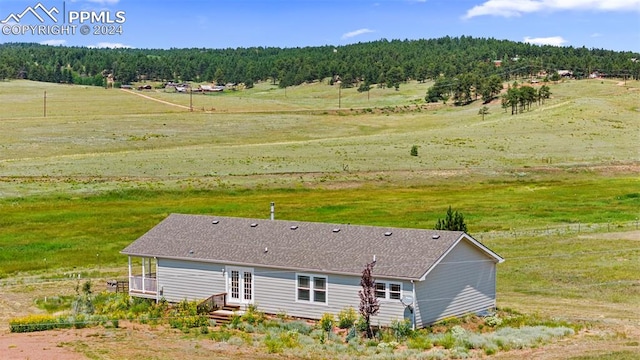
point(387, 290)
point(312, 278)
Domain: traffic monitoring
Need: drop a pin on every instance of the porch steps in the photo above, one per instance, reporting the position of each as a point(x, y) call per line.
point(223, 316)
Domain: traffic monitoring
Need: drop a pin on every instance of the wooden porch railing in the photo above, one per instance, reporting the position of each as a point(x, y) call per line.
point(212, 303)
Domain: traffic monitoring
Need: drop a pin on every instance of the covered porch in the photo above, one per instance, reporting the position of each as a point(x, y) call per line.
point(143, 281)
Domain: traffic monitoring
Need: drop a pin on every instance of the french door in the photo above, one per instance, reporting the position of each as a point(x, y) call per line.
point(239, 285)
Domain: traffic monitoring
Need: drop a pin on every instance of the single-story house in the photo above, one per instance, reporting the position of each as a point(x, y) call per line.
point(211, 88)
point(306, 269)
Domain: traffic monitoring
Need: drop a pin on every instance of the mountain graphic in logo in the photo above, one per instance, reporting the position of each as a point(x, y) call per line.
point(34, 11)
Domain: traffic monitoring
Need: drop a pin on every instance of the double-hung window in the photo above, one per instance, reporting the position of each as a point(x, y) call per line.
point(311, 288)
point(388, 290)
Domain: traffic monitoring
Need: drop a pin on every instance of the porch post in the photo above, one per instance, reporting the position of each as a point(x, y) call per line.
point(130, 277)
point(157, 282)
point(144, 274)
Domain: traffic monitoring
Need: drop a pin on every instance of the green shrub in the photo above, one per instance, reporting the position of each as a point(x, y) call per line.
point(204, 329)
point(185, 315)
point(253, 316)
point(401, 329)
point(282, 315)
point(140, 305)
point(446, 340)
point(419, 342)
point(347, 318)
point(221, 335)
point(273, 344)
point(80, 321)
point(414, 150)
point(361, 324)
point(300, 326)
point(276, 342)
point(492, 321)
point(235, 321)
point(490, 349)
point(351, 335)
point(326, 322)
point(33, 323)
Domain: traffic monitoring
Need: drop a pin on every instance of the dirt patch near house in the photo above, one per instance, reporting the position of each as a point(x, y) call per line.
point(129, 341)
point(40, 345)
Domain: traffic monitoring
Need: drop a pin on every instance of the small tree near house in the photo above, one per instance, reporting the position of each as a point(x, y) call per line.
point(369, 305)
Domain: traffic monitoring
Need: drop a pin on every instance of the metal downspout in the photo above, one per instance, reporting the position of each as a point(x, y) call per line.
point(415, 301)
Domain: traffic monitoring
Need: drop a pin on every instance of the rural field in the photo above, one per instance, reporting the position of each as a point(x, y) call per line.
point(84, 171)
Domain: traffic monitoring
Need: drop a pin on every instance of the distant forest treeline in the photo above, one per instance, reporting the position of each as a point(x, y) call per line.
point(382, 62)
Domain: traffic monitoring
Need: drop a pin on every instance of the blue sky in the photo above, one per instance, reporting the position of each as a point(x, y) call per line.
point(606, 24)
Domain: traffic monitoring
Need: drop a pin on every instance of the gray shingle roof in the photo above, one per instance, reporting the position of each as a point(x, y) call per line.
point(301, 246)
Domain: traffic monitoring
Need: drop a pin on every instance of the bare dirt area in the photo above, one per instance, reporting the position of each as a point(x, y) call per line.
point(129, 341)
point(40, 345)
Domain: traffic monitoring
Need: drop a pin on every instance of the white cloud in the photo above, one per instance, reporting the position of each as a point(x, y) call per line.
point(595, 35)
point(552, 40)
point(356, 33)
point(109, 45)
point(511, 8)
point(56, 42)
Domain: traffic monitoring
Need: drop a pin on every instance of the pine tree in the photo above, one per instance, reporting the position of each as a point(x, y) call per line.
point(454, 221)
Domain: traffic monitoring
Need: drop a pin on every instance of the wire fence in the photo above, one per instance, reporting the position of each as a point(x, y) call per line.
point(561, 229)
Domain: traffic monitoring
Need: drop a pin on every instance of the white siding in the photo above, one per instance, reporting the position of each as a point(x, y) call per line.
point(463, 282)
point(180, 280)
point(274, 290)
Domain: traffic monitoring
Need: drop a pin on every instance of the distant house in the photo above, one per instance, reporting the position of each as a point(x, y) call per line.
point(306, 269)
point(211, 88)
point(126, 87)
point(565, 73)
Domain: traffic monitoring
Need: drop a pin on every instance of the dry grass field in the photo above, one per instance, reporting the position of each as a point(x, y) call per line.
point(554, 190)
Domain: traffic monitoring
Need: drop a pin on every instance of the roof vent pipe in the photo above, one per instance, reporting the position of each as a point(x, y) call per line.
point(273, 210)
